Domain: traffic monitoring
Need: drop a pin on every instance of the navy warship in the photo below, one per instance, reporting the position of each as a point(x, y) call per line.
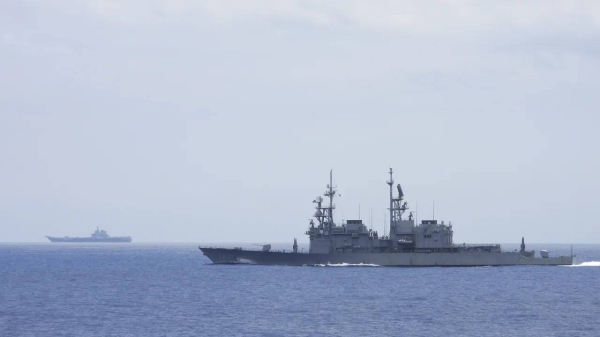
point(99, 235)
point(429, 243)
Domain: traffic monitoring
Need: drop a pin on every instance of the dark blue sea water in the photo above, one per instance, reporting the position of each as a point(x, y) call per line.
point(172, 290)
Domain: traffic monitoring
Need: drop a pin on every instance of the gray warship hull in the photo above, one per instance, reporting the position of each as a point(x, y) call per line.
point(405, 243)
point(458, 259)
point(88, 239)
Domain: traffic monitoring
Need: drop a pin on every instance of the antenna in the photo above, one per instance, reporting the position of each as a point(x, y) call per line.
point(383, 224)
point(433, 211)
point(417, 213)
point(330, 193)
point(358, 211)
point(391, 183)
point(371, 218)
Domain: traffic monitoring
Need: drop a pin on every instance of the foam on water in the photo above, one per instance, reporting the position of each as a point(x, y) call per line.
point(347, 265)
point(586, 264)
point(246, 261)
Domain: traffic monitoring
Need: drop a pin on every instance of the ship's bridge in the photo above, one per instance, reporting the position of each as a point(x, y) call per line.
point(355, 226)
point(431, 234)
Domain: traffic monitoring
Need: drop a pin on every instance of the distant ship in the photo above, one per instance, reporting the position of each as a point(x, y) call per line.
point(408, 243)
point(97, 236)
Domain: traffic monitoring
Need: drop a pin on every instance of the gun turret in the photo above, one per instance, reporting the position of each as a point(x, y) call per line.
point(265, 248)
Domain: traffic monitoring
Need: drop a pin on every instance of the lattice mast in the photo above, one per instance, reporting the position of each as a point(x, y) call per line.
point(391, 208)
point(330, 193)
point(397, 208)
point(324, 214)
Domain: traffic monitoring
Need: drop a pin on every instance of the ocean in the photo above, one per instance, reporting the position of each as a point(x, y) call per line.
point(137, 289)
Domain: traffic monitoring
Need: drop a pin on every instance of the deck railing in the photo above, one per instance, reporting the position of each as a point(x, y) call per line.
point(476, 245)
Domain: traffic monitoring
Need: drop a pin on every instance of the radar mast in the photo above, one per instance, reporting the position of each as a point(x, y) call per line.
point(324, 214)
point(330, 193)
point(397, 208)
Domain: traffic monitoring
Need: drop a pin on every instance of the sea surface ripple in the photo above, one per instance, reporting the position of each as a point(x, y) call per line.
point(173, 290)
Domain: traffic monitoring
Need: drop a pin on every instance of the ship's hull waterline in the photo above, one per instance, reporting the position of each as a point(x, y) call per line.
point(459, 259)
point(89, 239)
point(406, 243)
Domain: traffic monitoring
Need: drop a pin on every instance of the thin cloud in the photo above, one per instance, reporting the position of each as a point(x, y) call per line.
point(406, 17)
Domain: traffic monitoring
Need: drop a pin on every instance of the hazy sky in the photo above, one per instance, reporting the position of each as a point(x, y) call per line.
point(218, 121)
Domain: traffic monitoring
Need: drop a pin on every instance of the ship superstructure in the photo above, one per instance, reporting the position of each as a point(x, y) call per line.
point(407, 244)
point(404, 235)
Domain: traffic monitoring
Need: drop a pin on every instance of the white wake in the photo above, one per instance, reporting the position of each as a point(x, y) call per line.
point(587, 264)
point(347, 265)
point(245, 261)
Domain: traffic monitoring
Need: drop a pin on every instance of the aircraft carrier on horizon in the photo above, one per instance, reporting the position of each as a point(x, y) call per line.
point(98, 236)
point(427, 244)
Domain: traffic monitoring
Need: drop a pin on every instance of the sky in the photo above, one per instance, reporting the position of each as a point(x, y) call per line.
point(218, 121)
